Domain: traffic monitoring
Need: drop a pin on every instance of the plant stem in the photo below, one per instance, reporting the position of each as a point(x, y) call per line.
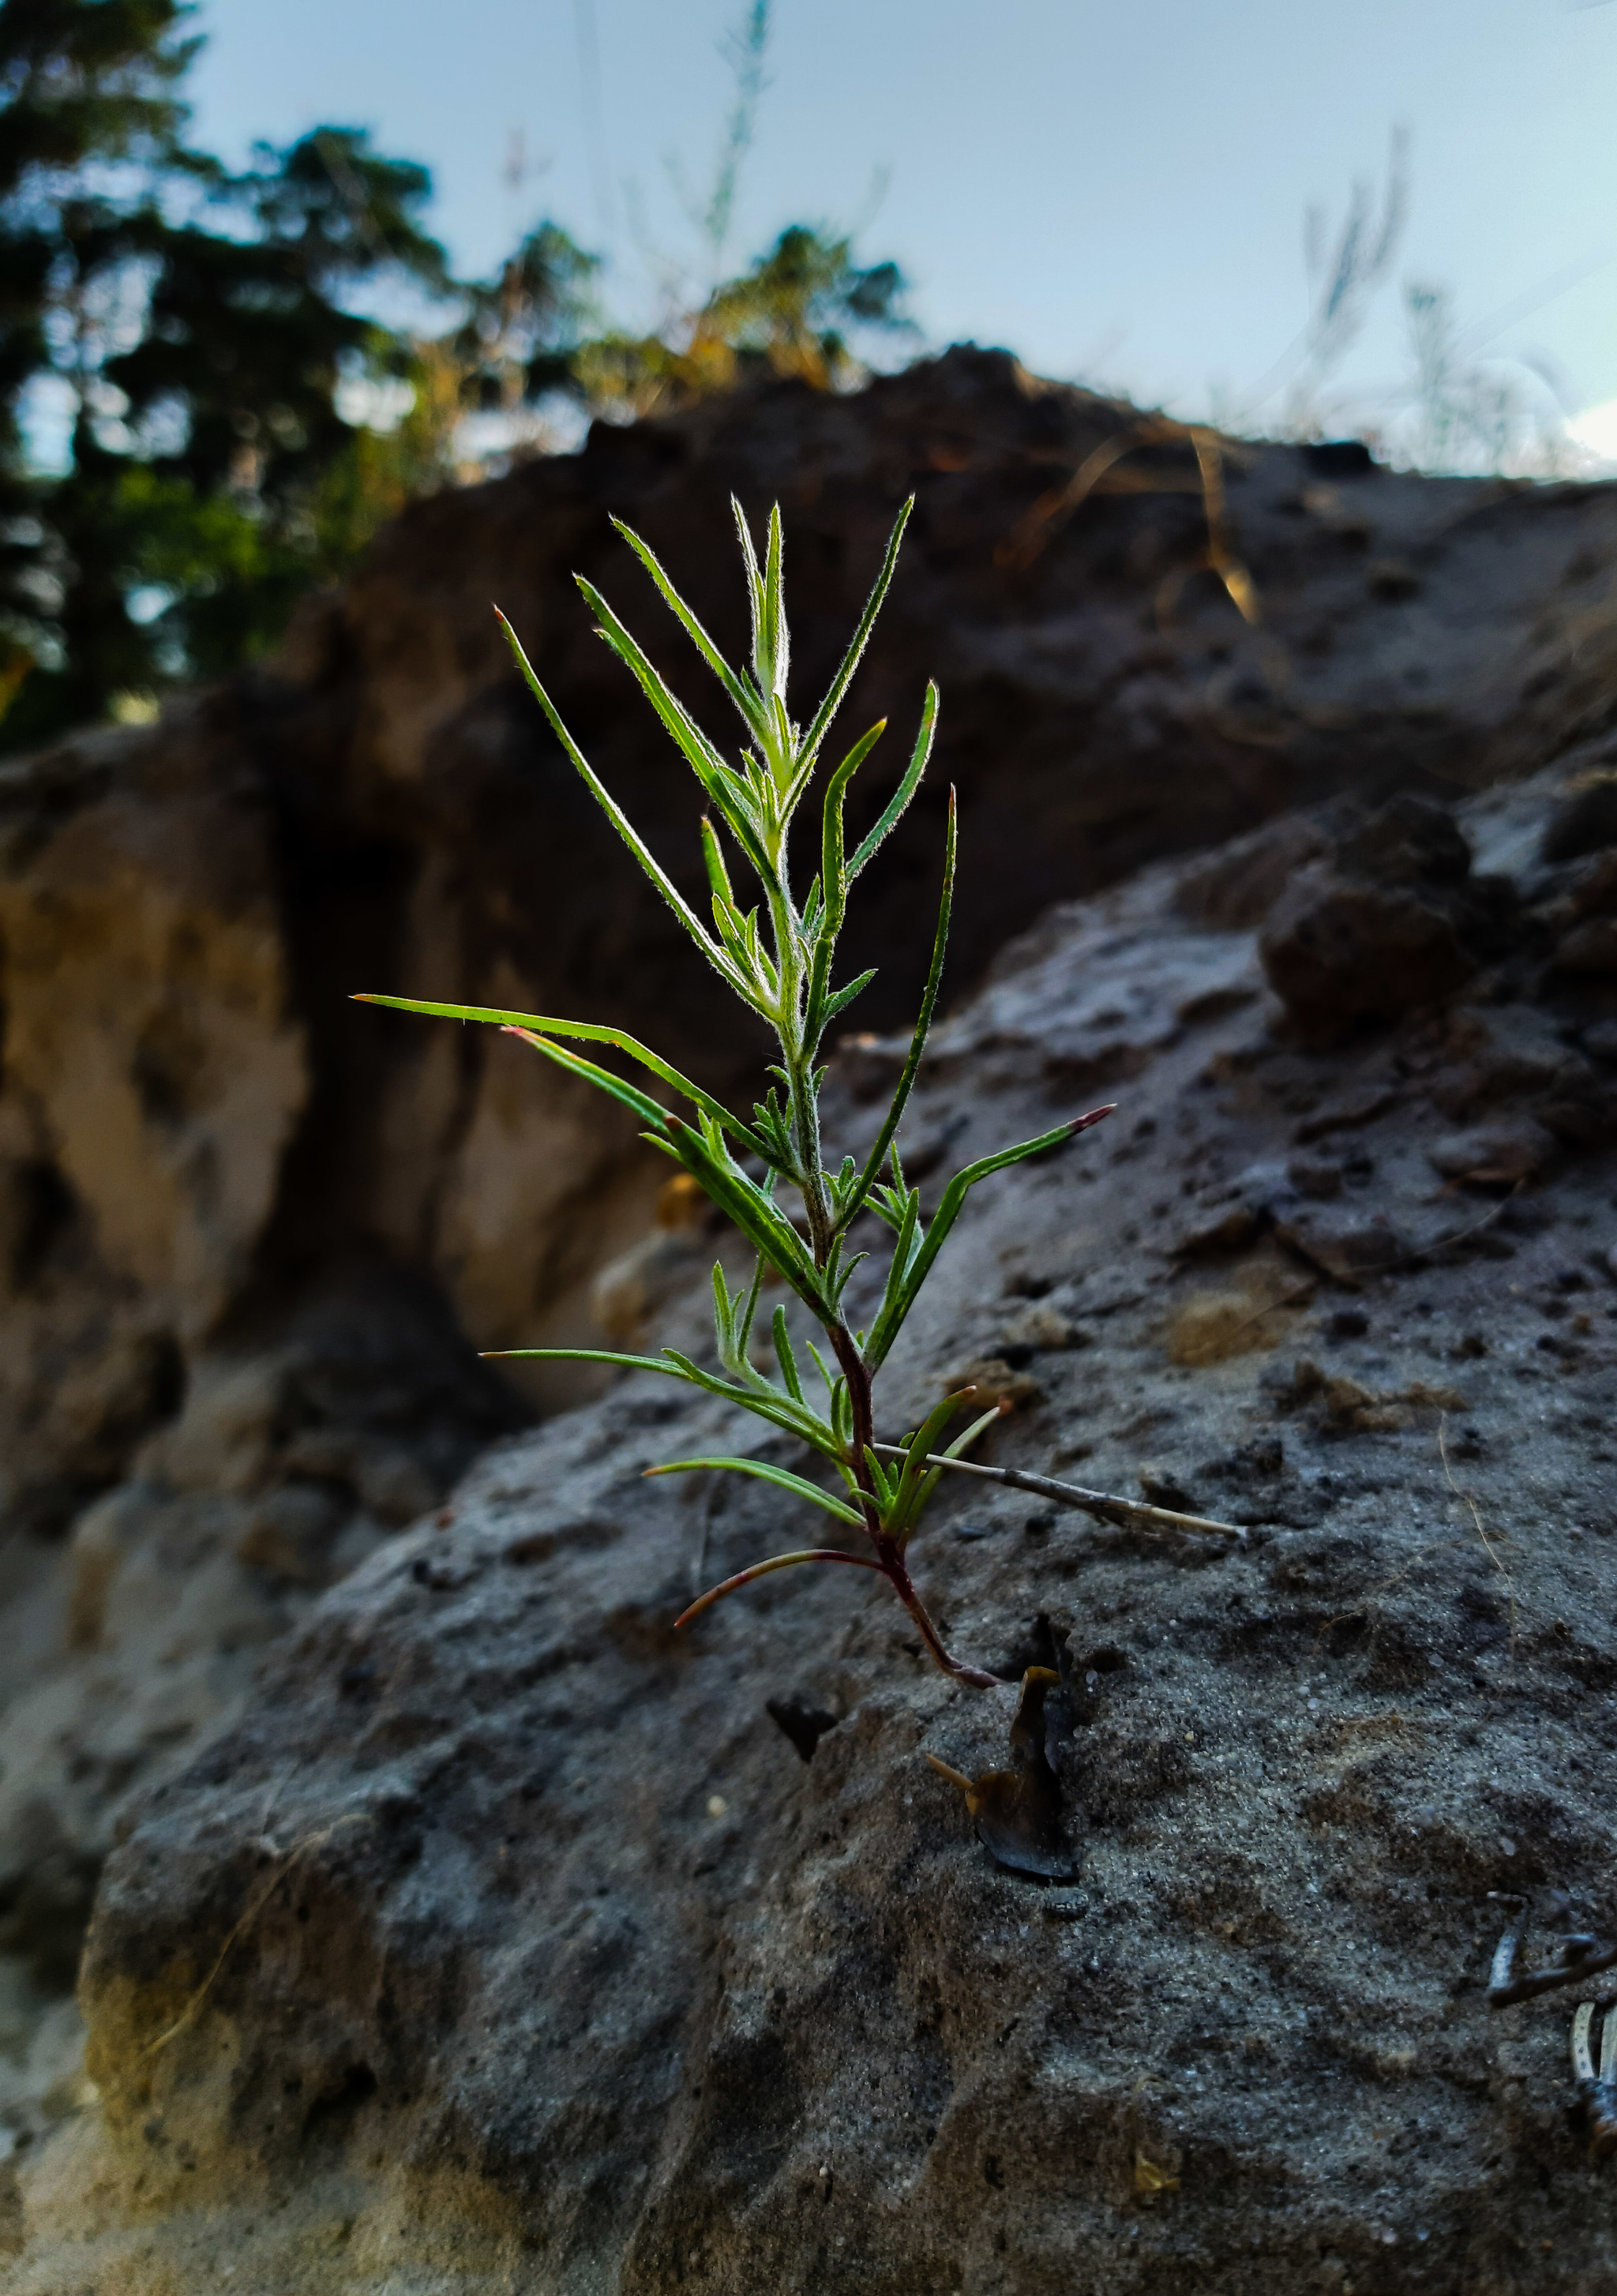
point(903, 1587)
point(857, 1372)
point(889, 1551)
point(805, 1125)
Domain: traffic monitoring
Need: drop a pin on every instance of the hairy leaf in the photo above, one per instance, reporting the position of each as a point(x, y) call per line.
point(539, 1024)
point(781, 1477)
point(615, 814)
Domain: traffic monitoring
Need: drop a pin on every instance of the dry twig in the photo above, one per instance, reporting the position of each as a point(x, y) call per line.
point(290, 1858)
point(1124, 1513)
point(1098, 473)
point(1510, 1590)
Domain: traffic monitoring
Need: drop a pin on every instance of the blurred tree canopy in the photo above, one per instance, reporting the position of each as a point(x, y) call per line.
point(789, 313)
point(200, 415)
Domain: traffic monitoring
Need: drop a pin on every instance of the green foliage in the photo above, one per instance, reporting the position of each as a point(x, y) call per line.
point(521, 332)
point(81, 88)
point(229, 418)
point(793, 312)
point(778, 955)
point(192, 329)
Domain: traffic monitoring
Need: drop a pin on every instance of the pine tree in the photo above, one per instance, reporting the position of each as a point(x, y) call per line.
point(186, 375)
point(192, 332)
point(88, 110)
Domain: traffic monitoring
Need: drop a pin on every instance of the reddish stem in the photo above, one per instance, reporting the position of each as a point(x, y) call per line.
point(903, 1587)
point(761, 1570)
point(889, 1552)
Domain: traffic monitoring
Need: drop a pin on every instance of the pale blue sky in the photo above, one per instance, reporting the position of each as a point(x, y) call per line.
point(1113, 191)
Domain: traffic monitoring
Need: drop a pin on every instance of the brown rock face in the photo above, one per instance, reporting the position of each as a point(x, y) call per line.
point(154, 1072)
point(1337, 950)
point(482, 1928)
point(1395, 921)
point(512, 1940)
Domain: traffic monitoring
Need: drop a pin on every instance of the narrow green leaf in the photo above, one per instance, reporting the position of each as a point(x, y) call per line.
point(833, 1378)
point(838, 1004)
point(756, 605)
point(758, 1218)
point(750, 1309)
point(593, 1354)
point(847, 1273)
point(785, 1356)
point(747, 703)
point(784, 749)
point(723, 1314)
point(962, 1444)
point(888, 1205)
point(955, 1450)
point(833, 875)
point(766, 1402)
point(730, 926)
point(880, 1483)
point(898, 805)
point(903, 1255)
point(646, 1109)
point(888, 1323)
point(720, 782)
point(585, 1032)
point(929, 1431)
point(614, 812)
point(886, 1138)
point(778, 644)
point(762, 1401)
point(713, 860)
point(912, 1476)
point(781, 1477)
point(840, 683)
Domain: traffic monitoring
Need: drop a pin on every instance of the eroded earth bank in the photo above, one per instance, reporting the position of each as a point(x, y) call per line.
point(452, 1924)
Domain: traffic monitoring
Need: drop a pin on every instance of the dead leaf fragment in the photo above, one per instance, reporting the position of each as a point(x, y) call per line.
point(1149, 2178)
point(1427, 1397)
point(996, 1382)
point(1210, 1327)
point(1017, 1812)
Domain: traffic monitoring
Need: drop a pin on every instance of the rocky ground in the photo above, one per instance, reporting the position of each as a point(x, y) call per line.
point(497, 1937)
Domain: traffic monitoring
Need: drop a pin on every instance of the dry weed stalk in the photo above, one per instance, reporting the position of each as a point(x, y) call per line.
point(287, 1860)
point(1099, 472)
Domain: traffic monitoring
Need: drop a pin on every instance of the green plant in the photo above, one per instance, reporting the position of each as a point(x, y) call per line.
point(778, 958)
point(175, 467)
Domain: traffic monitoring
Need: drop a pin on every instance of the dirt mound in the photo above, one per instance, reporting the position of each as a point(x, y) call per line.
point(454, 1945)
point(509, 1937)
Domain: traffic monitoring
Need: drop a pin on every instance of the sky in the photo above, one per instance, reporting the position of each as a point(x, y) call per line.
point(1113, 189)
